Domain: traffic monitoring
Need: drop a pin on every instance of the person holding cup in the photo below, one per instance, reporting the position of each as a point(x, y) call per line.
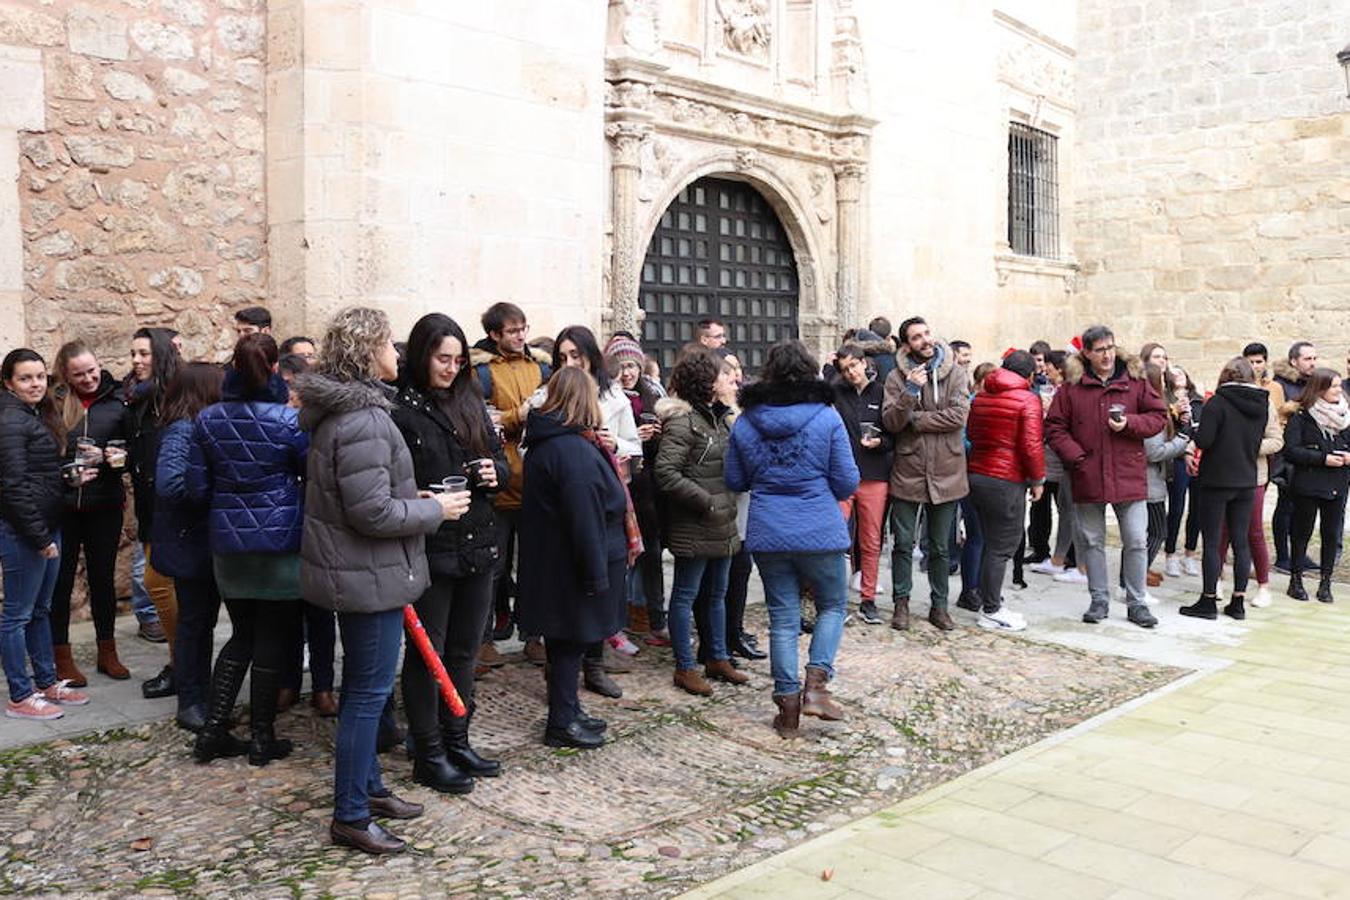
point(31, 490)
point(363, 554)
point(86, 396)
point(455, 451)
point(858, 398)
point(1317, 447)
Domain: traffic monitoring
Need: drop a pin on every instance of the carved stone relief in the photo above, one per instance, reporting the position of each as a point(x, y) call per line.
point(637, 24)
point(1037, 70)
point(747, 27)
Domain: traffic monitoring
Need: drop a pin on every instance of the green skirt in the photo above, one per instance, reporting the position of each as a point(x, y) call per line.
point(258, 576)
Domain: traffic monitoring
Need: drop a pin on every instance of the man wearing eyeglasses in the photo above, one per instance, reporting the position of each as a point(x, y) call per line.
point(1097, 425)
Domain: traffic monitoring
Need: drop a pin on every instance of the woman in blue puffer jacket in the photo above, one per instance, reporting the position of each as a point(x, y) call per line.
point(790, 450)
point(248, 459)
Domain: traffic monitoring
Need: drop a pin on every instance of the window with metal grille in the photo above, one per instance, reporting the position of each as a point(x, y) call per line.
point(1033, 191)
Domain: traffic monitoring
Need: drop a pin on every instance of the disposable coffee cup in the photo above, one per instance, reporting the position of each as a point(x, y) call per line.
point(73, 473)
point(116, 453)
point(1116, 411)
point(451, 484)
point(648, 418)
point(88, 448)
point(871, 431)
point(474, 469)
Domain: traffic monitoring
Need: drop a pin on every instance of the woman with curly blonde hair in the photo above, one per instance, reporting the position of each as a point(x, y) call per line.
point(362, 554)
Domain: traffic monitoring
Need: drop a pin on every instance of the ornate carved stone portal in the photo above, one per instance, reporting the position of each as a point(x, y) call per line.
point(801, 140)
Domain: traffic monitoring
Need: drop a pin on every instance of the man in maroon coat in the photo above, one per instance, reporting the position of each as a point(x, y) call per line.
point(1097, 425)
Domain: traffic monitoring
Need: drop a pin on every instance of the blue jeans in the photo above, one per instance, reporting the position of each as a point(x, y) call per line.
point(141, 607)
point(25, 633)
point(783, 573)
point(370, 645)
point(690, 573)
point(973, 549)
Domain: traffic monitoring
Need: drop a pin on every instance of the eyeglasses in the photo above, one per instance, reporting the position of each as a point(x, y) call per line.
point(1109, 348)
point(519, 329)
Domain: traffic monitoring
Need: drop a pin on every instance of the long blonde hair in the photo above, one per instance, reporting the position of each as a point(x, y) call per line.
point(68, 403)
point(572, 394)
point(352, 342)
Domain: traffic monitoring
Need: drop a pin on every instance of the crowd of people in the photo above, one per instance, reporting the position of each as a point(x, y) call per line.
point(317, 488)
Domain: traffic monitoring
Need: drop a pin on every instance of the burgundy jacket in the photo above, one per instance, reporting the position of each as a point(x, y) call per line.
point(1105, 466)
point(1005, 430)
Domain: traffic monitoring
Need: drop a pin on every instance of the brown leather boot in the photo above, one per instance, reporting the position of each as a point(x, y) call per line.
point(638, 620)
point(939, 619)
point(816, 699)
point(694, 683)
point(723, 670)
point(325, 703)
point(789, 714)
point(66, 670)
point(108, 663)
point(286, 698)
point(900, 617)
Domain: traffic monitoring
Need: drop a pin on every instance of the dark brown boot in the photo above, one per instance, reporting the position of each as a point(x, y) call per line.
point(939, 619)
point(816, 699)
point(66, 670)
point(723, 670)
point(900, 617)
point(789, 714)
point(108, 663)
point(694, 683)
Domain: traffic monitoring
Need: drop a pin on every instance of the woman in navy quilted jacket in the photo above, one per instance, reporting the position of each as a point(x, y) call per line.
point(248, 459)
point(790, 450)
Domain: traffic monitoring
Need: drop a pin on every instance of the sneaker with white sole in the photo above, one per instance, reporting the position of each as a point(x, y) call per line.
point(1045, 567)
point(34, 706)
point(621, 644)
point(1071, 576)
point(63, 694)
point(1191, 565)
point(1173, 567)
point(1003, 620)
point(1261, 599)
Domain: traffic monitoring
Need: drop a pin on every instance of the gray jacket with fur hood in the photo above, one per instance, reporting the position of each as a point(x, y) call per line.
point(363, 547)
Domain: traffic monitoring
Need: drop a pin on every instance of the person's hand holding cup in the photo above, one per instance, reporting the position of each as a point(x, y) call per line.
point(482, 472)
point(649, 426)
point(1116, 417)
point(116, 454)
point(871, 436)
point(607, 438)
point(453, 495)
point(88, 450)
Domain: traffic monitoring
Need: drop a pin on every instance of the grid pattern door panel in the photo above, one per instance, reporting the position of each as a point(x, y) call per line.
point(719, 252)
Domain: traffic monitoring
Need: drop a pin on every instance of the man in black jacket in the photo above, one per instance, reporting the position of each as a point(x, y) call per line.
point(1291, 378)
point(858, 397)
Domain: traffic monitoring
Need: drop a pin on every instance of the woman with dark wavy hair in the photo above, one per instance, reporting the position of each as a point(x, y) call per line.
point(790, 450)
point(441, 414)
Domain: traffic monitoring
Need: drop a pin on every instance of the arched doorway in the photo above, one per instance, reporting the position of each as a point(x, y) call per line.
point(720, 252)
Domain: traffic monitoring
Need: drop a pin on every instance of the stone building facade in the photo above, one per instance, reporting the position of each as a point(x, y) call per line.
point(177, 159)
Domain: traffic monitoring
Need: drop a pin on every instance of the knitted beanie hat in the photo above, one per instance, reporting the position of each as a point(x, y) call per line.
point(621, 348)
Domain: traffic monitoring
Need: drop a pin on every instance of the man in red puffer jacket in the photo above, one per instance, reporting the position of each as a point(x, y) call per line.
point(1006, 461)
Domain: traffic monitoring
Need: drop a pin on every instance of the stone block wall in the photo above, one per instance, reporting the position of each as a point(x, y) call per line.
point(1215, 175)
point(142, 197)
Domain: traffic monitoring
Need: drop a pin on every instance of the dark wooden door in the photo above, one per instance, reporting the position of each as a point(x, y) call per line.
point(719, 252)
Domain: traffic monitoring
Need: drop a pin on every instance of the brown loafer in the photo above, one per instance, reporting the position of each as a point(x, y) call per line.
point(393, 806)
point(689, 680)
point(371, 839)
point(900, 617)
point(939, 619)
point(325, 703)
point(723, 670)
point(489, 656)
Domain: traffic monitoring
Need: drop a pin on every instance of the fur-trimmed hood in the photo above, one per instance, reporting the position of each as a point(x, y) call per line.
point(1284, 370)
point(762, 393)
point(669, 407)
point(943, 361)
point(322, 396)
point(1127, 364)
point(487, 350)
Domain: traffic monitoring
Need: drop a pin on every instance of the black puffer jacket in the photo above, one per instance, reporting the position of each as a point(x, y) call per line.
point(859, 408)
point(141, 423)
point(467, 545)
point(1306, 447)
point(1230, 435)
point(700, 508)
point(104, 420)
point(30, 473)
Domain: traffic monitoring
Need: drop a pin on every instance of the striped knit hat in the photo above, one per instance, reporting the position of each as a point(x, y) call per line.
point(621, 348)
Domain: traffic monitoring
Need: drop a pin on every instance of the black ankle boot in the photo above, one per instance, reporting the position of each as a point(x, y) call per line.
point(433, 768)
point(214, 740)
point(265, 746)
point(1296, 589)
point(1236, 608)
point(1324, 590)
point(1204, 608)
point(455, 736)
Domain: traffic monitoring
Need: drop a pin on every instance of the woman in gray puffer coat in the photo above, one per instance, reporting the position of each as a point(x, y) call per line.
point(363, 553)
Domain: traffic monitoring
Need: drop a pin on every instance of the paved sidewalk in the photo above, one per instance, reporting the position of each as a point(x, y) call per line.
point(1229, 783)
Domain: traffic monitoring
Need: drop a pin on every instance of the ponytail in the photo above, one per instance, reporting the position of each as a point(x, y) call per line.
point(254, 358)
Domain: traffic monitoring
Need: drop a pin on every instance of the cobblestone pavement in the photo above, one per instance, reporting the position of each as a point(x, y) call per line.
point(687, 789)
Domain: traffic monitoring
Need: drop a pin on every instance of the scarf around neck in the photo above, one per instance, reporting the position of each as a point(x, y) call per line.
point(632, 533)
point(1332, 418)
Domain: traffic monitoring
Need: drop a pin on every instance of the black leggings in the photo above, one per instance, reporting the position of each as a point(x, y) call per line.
point(259, 632)
point(1157, 530)
point(1305, 511)
point(1232, 506)
point(317, 627)
point(98, 531)
point(453, 612)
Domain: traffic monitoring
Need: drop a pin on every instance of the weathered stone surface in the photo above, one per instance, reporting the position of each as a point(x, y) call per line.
point(79, 188)
point(92, 31)
point(102, 152)
point(126, 86)
point(191, 121)
point(39, 150)
point(181, 82)
point(69, 77)
point(185, 12)
point(241, 34)
point(91, 274)
point(60, 243)
point(24, 23)
point(178, 282)
point(161, 40)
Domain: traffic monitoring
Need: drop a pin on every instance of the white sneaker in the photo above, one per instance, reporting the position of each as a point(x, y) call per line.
point(1046, 567)
point(1071, 576)
point(1149, 599)
point(1003, 620)
point(1173, 568)
point(856, 584)
point(1192, 565)
point(1261, 598)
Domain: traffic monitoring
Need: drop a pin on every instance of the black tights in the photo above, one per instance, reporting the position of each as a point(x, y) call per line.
point(1306, 511)
point(1232, 506)
point(98, 531)
point(453, 613)
point(259, 632)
